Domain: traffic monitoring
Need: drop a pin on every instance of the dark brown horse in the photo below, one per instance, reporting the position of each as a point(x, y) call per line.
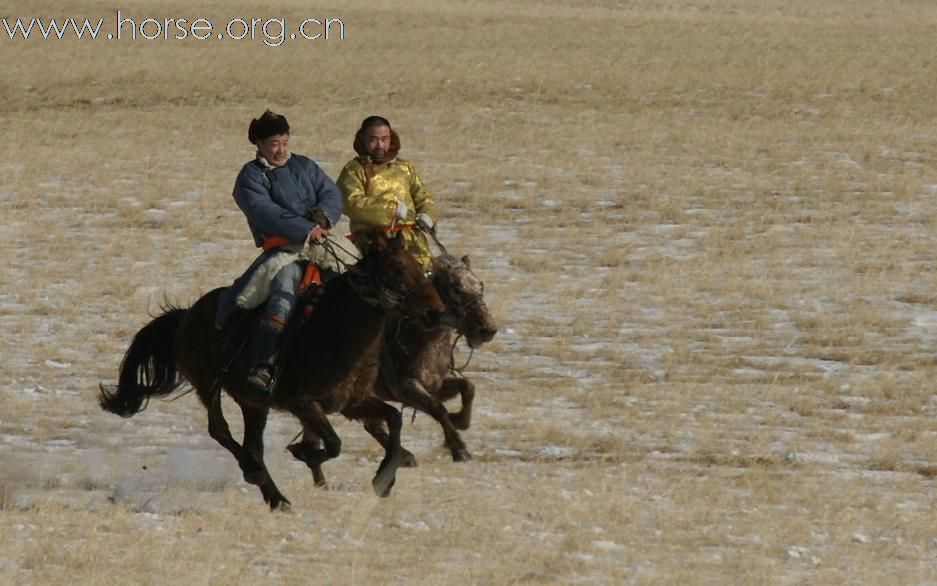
point(416, 361)
point(331, 366)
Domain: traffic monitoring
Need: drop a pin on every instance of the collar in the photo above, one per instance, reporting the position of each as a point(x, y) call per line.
point(367, 160)
point(266, 164)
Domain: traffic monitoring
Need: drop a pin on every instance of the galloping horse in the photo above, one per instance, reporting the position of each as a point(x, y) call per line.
point(331, 366)
point(416, 361)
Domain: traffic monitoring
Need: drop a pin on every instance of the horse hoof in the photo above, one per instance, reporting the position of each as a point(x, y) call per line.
point(387, 475)
point(382, 486)
point(319, 478)
point(460, 421)
point(461, 455)
point(407, 460)
point(281, 505)
point(297, 450)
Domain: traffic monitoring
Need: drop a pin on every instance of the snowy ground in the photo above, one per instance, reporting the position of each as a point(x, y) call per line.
point(608, 435)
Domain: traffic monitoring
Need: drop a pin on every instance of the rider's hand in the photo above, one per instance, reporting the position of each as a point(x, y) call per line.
point(401, 211)
point(424, 221)
point(316, 234)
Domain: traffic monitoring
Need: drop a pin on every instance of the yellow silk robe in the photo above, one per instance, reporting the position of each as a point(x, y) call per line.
point(372, 203)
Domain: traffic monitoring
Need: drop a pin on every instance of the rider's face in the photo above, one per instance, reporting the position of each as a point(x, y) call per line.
point(377, 141)
point(276, 149)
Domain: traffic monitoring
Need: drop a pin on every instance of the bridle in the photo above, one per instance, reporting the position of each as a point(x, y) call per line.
point(461, 308)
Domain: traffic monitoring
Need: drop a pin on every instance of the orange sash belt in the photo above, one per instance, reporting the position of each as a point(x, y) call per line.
point(274, 242)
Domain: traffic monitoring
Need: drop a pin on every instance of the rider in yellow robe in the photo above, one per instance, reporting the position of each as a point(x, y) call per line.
point(384, 193)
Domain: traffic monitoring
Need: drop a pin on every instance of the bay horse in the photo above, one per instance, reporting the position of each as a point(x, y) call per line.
point(416, 360)
point(331, 366)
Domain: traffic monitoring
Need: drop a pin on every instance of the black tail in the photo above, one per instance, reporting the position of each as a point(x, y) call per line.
point(148, 367)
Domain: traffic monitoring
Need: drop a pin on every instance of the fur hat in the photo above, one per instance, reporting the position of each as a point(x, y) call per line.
point(269, 124)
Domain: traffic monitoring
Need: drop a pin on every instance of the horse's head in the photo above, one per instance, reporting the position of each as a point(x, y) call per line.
point(463, 293)
point(400, 282)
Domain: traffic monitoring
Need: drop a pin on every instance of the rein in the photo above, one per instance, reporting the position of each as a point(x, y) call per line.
point(330, 247)
point(460, 310)
point(452, 366)
point(432, 233)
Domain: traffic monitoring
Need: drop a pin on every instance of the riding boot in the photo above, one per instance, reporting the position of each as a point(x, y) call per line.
point(262, 349)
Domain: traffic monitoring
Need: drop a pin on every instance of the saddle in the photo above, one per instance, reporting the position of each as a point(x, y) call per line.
point(252, 288)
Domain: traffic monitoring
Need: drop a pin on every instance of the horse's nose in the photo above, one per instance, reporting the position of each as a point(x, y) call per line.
point(487, 333)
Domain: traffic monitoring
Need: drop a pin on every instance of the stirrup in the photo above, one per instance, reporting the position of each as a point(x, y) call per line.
point(260, 377)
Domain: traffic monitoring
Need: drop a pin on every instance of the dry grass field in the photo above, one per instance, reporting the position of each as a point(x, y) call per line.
point(707, 230)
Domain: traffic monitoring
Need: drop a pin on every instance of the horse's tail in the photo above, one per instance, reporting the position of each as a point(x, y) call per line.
point(148, 368)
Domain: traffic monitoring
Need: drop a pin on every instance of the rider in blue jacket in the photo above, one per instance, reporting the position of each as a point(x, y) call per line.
point(288, 200)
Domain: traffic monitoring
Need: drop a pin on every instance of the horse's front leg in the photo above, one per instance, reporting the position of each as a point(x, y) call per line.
point(378, 431)
point(413, 394)
point(451, 387)
point(319, 443)
point(372, 408)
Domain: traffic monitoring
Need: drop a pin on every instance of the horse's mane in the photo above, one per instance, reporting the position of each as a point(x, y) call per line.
point(447, 261)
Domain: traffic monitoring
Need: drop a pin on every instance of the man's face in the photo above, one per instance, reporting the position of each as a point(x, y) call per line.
point(276, 149)
point(377, 141)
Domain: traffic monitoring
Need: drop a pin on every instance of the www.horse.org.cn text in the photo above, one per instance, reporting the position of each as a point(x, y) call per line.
point(272, 32)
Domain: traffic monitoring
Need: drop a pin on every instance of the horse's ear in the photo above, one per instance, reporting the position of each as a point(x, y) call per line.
point(397, 242)
point(465, 259)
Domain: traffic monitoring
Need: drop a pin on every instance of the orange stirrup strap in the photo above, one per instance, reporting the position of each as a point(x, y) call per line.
point(313, 276)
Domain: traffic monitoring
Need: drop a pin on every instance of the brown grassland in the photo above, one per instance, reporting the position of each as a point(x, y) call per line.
point(707, 230)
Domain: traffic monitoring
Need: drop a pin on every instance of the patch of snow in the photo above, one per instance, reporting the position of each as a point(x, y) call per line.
point(872, 436)
point(155, 215)
point(607, 545)
point(559, 452)
point(860, 537)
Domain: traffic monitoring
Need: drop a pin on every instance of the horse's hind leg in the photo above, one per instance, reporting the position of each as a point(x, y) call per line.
point(252, 466)
point(373, 408)
point(317, 431)
point(255, 421)
point(310, 444)
point(451, 387)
